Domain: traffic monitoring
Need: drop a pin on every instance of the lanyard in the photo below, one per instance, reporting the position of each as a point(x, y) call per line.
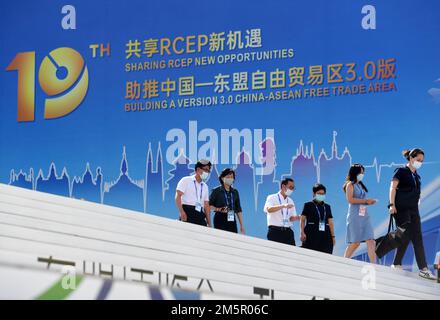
point(282, 210)
point(201, 191)
point(319, 213)
point(227, 201)
point(414, 178)
point(414, 175)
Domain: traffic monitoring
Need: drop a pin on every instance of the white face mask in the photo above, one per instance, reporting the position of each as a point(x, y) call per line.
point(204, 176)
point(417, 164)
point(228, 181)
point(360, 176)
point(288, 192)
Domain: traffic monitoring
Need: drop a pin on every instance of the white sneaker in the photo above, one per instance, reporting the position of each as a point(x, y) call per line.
point(398, 267)
point(427, 274)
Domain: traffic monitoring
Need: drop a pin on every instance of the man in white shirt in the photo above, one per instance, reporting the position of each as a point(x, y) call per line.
point(281, 212)
point(192, 196)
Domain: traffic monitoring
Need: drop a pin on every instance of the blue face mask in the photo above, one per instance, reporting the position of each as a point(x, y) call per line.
point(320, 197)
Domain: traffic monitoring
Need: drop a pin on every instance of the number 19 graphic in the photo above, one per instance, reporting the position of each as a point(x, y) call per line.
point(63, 76)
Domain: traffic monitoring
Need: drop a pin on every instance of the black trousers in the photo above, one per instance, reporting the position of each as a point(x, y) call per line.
point(280, 234)
point(409, 219)
point(193, 216)
point(221, 222)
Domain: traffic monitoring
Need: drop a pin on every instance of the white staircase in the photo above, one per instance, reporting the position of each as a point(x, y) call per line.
point(40, 231)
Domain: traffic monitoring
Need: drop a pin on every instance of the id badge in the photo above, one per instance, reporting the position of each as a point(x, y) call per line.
point(362, 210)
point(198, 207)
point(231, 215)
point(286, 222)
point(322, 226)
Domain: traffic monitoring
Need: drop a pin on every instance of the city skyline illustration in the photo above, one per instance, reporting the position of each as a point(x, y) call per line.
point(154, 193)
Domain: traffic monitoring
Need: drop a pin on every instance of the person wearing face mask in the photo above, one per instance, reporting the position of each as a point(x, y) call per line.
point(192, 196)
point(317, 228)
point(404, 206)
point(359, 228)
point(281, 213)
point(225, 202)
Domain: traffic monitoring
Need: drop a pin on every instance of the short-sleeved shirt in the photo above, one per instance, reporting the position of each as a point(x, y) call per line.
point(220, 198)
point(408, 189)
point(311, 209)
point(276, 218)
point(408, 180)
point(193, 191)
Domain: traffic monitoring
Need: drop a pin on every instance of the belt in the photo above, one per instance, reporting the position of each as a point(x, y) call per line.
point(280, 228)
point(314, 223)
point(188, 205)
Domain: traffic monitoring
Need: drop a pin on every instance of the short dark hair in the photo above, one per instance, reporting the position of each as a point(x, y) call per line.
point(408, 154)
point(319, 186)
point(285, 181)
point(224, 173)
point(203, 163)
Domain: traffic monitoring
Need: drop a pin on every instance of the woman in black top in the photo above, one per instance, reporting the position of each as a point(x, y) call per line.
point(317, 229)
point(404, 205)
point(225, 202)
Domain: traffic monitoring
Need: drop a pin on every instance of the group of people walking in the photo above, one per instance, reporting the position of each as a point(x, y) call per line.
point(317, 232)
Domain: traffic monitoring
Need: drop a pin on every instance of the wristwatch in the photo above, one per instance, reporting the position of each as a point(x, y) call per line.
point(390, 205)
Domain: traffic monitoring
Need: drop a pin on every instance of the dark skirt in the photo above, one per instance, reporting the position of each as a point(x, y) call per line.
point(318, 240)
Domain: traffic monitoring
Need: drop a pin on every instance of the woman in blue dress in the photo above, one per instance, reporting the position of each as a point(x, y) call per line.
point(359, 228)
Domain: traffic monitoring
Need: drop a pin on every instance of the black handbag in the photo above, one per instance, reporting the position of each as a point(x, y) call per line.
point(390, 241)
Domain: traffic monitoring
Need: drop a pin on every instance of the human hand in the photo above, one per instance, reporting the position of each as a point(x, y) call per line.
point(393, 210)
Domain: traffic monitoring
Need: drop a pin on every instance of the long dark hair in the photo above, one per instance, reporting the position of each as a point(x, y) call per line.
point(355, 169)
